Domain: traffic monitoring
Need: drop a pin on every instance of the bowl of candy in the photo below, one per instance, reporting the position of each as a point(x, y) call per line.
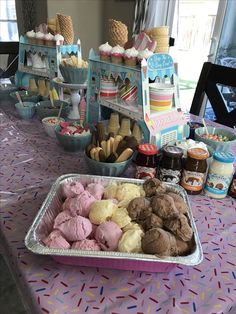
point(26, 96)
point(72, 136)
point(217, 138)
point(49, 124)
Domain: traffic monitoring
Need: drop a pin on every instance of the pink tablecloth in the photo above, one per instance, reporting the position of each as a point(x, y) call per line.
point(30, 163)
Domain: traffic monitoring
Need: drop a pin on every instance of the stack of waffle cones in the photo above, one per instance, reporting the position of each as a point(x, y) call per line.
point(161, 36)
point(66, 28)
point(118, 33)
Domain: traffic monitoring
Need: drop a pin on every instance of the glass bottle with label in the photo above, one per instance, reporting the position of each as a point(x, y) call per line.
point(194, 170)
point(146, 161)
point(171, 164)
point(219, 175)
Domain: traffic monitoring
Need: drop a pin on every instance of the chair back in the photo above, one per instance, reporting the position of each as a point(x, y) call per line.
point(11, 49)
point(212, 75)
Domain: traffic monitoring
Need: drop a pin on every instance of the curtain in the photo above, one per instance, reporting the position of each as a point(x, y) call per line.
point(30, 13)
point(140, 16)
point(227, 44)
point(160, 13)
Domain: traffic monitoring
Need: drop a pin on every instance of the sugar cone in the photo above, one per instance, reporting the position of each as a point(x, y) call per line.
point(118, 33)
point(66, 28)
point(32, 85)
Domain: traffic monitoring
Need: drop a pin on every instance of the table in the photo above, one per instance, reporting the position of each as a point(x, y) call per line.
point(30, 163)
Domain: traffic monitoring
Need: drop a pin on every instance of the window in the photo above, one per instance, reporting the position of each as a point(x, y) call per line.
point(8, 23)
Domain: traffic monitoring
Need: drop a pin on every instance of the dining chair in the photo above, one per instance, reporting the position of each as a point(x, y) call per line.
point(11, 49)
point(213, 75)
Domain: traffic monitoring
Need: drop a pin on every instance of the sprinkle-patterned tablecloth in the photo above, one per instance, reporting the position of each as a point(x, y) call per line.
point(30, 163)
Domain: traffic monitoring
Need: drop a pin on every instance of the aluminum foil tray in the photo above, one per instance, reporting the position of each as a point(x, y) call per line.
point(43, 222)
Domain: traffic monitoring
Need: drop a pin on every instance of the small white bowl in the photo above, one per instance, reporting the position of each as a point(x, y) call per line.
point(49, 124)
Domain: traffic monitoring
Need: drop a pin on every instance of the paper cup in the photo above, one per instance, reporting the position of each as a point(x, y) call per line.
point(161, 96)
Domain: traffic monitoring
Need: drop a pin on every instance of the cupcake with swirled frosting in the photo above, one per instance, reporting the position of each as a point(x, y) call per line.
point(31, 37)
point(105, 51)
point(117, 53)
point(130, 56)
point(40, 38)
point(144, 54)
point(49, 40)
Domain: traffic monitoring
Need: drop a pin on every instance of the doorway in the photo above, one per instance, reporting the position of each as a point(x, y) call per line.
point(193, 29)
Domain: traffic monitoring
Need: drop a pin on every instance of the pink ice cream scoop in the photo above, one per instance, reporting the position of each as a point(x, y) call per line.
point(75, 229)
point(108, 234)
point(86, 245)
point(96, 190)
point(79, 205)
point(55, 240)
point(61, 218)
point(72, 189)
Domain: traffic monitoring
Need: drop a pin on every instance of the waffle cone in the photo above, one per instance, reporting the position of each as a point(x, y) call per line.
point(66, 28)
point(118, 33)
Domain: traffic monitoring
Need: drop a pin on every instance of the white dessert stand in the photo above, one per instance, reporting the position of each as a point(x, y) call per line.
point(76, 89)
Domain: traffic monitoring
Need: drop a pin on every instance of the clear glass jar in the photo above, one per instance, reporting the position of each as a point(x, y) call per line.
point(219, 176)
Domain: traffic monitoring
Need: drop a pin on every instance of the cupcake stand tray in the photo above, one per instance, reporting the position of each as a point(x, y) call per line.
point(75, 96)
point(43, 222)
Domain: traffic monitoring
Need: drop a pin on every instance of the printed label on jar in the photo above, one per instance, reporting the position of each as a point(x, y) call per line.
point(192, 181)
point(145, 172)
point(217, 184)
point(169, 175)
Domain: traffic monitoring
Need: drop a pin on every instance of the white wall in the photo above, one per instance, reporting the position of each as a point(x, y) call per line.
point(86, 17)
point(90, 18)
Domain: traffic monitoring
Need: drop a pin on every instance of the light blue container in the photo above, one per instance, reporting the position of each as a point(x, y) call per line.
point(216, 145)
point(26, 110)
point(107, 169)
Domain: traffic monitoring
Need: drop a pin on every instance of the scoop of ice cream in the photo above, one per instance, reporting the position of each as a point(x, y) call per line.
point(72, 189)
point(180, 227)
point(152, 221)
point(61, 218)
point(75, 229)
point(130, 241)
point(39, 35)
point(108, 234)
point(139, 208)
point(30, 34)
point(101, 211)
point(121, 217)
point(86, 245)
point(55, 240)
point(183, 248)
point(96, 190)
point(110, 191)
point(79, 205)
point(160, 242)
point(132, 225)
point(128, 191)
point(49, 36)
point(180, 204)
point(153, 187)
point(164, 206)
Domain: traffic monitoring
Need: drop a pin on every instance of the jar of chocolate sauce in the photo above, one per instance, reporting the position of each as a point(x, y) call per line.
point(146, 161)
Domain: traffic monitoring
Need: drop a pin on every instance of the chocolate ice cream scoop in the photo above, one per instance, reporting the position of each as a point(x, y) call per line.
point(183, 248)
point(164, 206)
point(180, 204)
point(139, 208)
point(180, 227)
point(153, 187)
point(152, 221)
point(160, 242)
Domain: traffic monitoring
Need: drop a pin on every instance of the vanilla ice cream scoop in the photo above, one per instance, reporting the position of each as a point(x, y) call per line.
point(101, 211)
point(130, 241)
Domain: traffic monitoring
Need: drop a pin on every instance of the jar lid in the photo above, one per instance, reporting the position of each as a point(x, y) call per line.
point(197, 153)
point(224, 157)
point(172, 151)
point(147, 149)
